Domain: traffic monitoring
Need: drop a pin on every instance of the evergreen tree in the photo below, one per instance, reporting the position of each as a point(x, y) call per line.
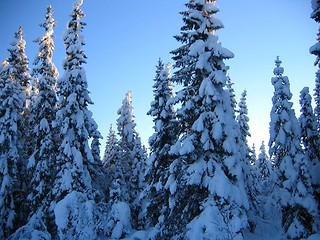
point(263, 163)
point(250, 176)
point(310, 139)
point(264, 184)
point(42, 114)
point(19, 59)
point(126, 169)
point(207, 194)
point(15, 77)
point(9, 154)
point(12, 101)
point(112, 148)
point(165, 129)
point(231, 92)
point(297, 205)
point(315, 10)
point(243, 118)
point(132, 158)
point(76, 213)
point(126, 130)
point(20, 73)
point(253, 154)
point(315, 49)
point(139, 156)
point(111, 162)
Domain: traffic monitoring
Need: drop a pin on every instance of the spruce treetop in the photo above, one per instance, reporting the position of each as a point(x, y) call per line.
point(315, 4)
point(18, 60)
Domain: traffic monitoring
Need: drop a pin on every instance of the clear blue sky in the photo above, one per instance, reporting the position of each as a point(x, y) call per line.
point(124, 40)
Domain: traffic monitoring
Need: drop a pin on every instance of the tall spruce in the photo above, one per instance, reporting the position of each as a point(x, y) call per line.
point(165, 133)
point(42, 114)
point(10, 120)
point(250, 176)
point(14, 79)
point(264, 185)
point(310, 139)
point(231, 92)
point(315, 50)
point(294, 192)
point(111, 149)
point(76, 213)
point(131, 156)
point(243, 118)
point(207, 193)
point(263, 163)
point(126, 130)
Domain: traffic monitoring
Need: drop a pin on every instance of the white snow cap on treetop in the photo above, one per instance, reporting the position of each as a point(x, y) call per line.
point(78, 3)
point(278, 70)
point(204, 1)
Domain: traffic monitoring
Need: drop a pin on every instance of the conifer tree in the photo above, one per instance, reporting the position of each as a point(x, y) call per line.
point(315, 50)
point(165, 129)
point(19, 59)
point(132, 159)
point(231, 92)
point(207, 155)
point(111, 149)
point(253, 154)
point(8, 151)
point(297, 205)
point(310, 139)
point(20, 73)
point(126, 130)
point(263, 163)
point(243, 118)
point(264, 184)
point(76, 214)
point(42, 114)
point(163, 113)
point(315, 10)
point(250, 176)
point(111, 163)
point(12, 97)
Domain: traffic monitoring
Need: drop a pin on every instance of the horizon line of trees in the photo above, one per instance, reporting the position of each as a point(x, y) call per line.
point(201, 179)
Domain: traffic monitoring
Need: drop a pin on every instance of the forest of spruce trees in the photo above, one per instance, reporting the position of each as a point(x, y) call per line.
point(198, 179)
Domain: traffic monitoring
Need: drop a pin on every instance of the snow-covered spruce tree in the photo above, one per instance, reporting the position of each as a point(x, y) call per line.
point(315, 49)
point(165, 133)
point(310, 139)
point(243, 118)
point(9, 154)
point(126, 130)
point(42, 112)
point(130, 155)
point(139, 156)
point(111, 162)
point(294, 192)
point(19, 59)
point(21, 73)
point(15, 78)
point(111, 149)
point(263, 163)
point(250, 176)
point(119, 217)
point(264, 184)
point(207, 193)
point(77, 215)
point(231, 92)
point(253, 154)
point(315, 4)
point(12, 102)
